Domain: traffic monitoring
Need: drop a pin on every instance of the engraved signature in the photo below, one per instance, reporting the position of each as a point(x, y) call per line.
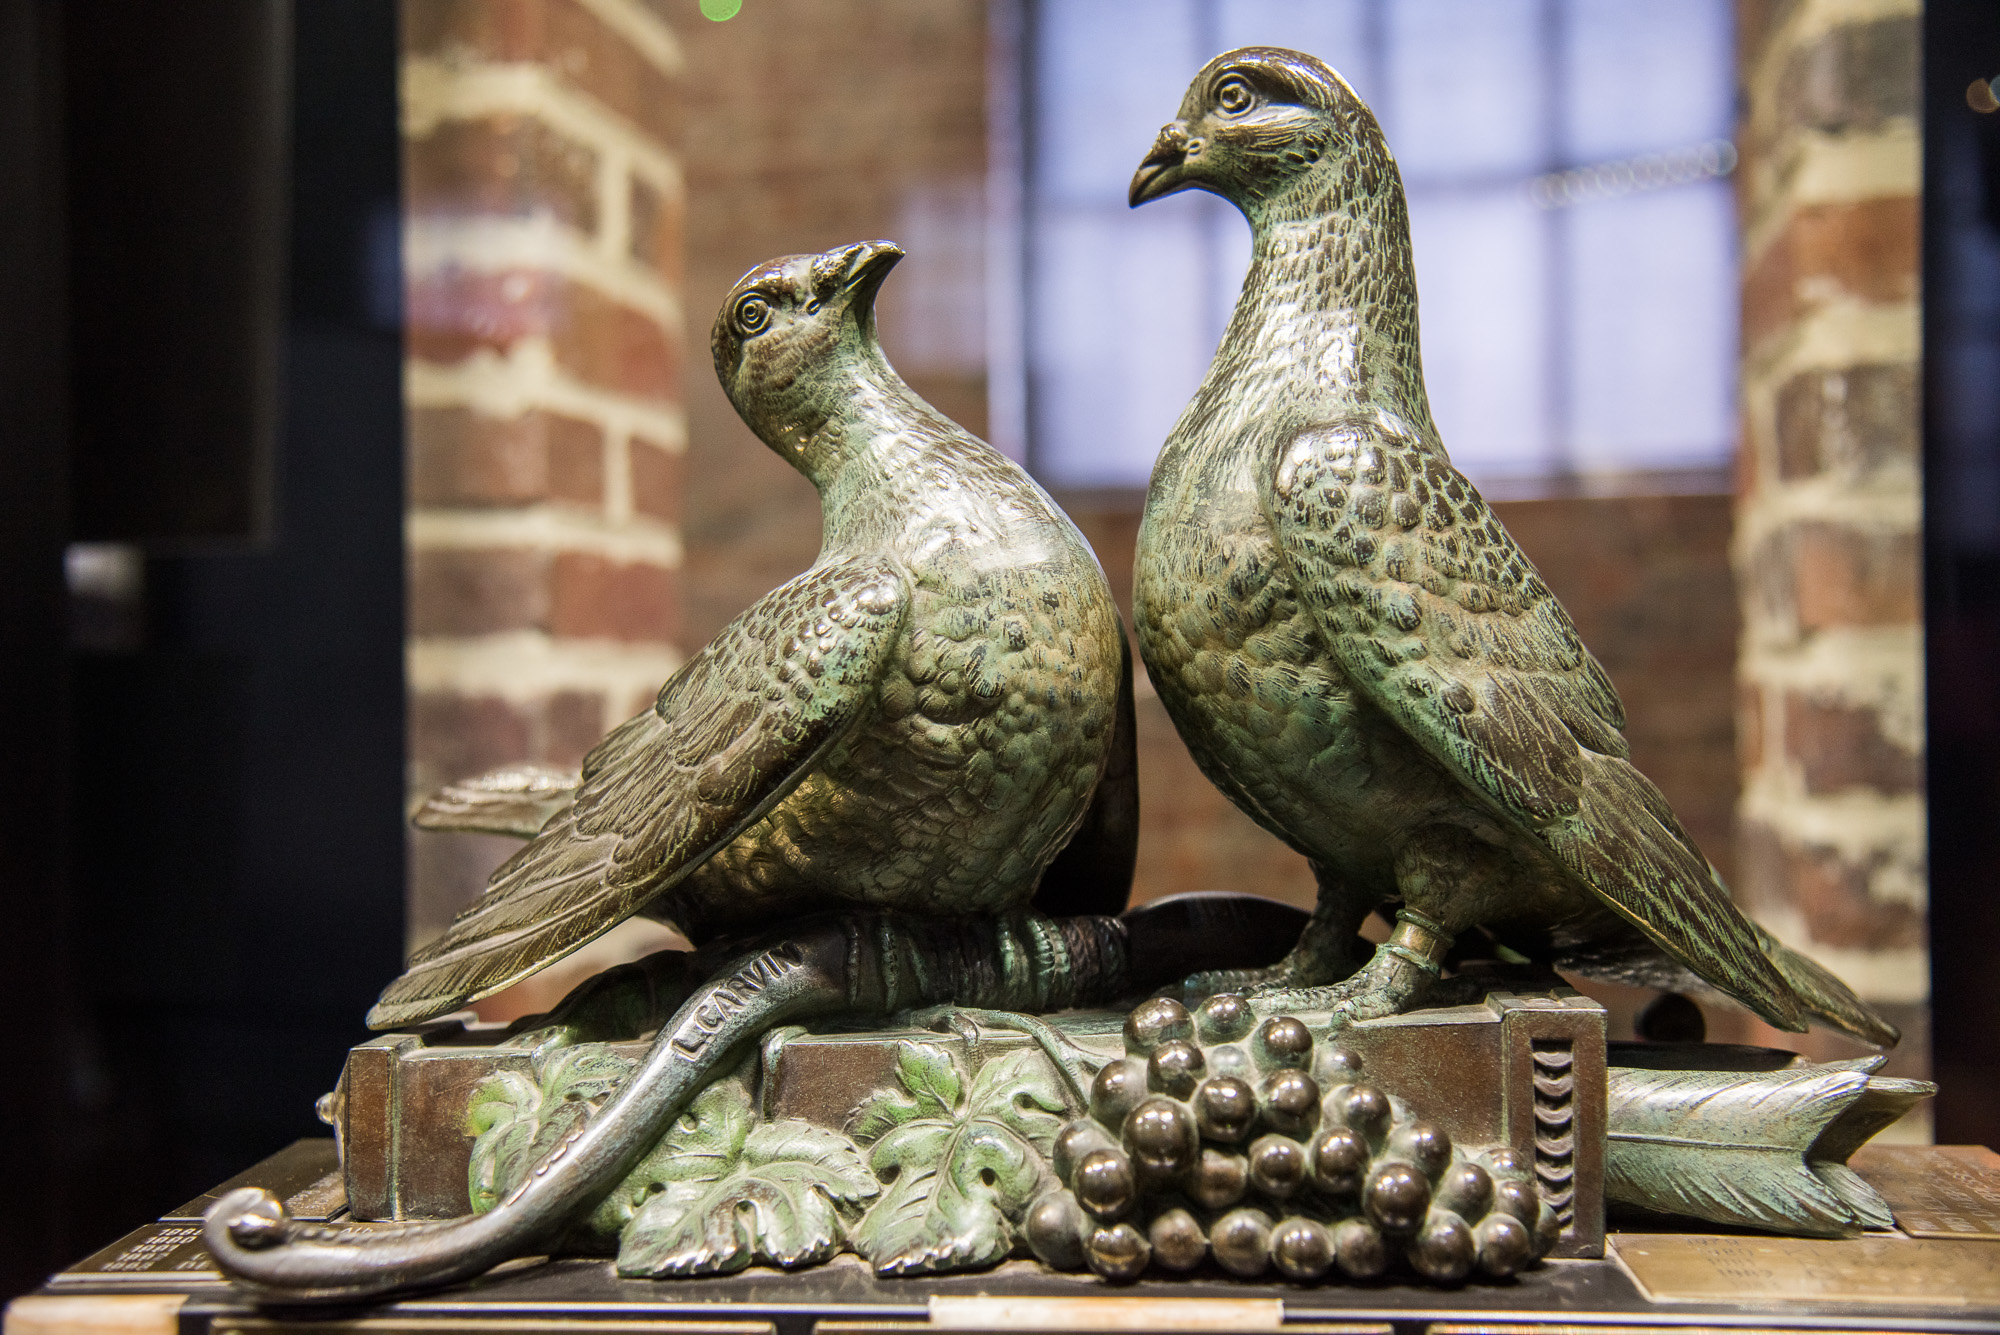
point(730, 995)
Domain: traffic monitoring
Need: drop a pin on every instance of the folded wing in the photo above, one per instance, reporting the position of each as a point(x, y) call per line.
point(1442, 622)
point(733, 732)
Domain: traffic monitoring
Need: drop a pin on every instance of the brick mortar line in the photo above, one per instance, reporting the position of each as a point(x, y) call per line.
point(1884, 662)
point(1899, 975)
point(1859, 827)
point(1878, 666)
point(483, 243)
point(1762, 389)
point(1889, 655)
point(1892, 693)
point(434, 91)
point(544, 528)
point(1881, 668)
point(647, 34)
point(1891, 686)
point(524, 667)
point(1814, 169)
point(1872, 513)
point(1807, 23)
point(1836, 335)
point(618, 505)
point(614, 217)
point(528, 378)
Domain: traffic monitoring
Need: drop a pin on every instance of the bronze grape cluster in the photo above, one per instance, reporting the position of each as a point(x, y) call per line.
point(1216, 1136)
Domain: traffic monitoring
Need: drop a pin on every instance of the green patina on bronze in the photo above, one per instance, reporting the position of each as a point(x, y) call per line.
point(922, 733)
point(919, 722)
point(1352, 646)
point(863, 796)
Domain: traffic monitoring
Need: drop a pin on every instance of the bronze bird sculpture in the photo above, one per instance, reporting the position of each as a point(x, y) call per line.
point(916, 726)
point(1354, 648)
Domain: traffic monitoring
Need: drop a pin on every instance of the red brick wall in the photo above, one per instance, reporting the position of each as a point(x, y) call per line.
point(542, 237)
point(812, 125)
point(1831, 851)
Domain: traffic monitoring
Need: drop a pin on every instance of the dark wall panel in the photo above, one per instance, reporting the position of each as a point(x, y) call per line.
point(237, 891)
point(34, 505)
point(176, 126)
point(1962, 560)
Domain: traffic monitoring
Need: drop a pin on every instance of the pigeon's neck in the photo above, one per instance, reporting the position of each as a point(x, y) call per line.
point(1328, 316)
point(880, 444)
point(815, 422)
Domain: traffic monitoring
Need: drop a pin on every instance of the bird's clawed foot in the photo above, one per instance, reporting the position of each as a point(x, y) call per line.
point(1303, 973)
point(1386, 985)
point(1402, 973)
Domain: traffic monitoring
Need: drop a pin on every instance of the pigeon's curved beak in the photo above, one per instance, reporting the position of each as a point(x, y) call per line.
point(860, 269)
point(1165, 169)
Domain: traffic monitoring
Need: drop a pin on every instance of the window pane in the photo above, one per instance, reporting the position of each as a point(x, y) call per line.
point(1116, 345)
point(1482, 278)
point(1653, 311)
point(1466, 88)
point(1107, 75)
point(1618, 358)
point(1638, 78)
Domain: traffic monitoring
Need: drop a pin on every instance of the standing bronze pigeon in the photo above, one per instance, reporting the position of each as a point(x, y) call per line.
point(915, 727)
point(1353, 647)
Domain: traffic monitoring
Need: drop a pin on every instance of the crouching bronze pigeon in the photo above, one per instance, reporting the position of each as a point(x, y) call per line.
point(902, 740)
point(1352, 646)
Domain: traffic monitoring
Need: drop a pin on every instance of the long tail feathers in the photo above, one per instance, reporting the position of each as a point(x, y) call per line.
point(1627, 845)
point(549, 898)
point(1826, 997)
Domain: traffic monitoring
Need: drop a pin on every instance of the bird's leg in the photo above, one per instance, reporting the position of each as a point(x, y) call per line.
point(1329, 949)
point(1403, 969)
point(1444, 874)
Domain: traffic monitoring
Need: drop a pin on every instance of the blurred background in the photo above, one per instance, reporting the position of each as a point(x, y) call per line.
point(357, 433)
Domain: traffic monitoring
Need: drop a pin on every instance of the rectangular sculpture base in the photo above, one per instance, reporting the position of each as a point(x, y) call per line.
point(1520, 1069)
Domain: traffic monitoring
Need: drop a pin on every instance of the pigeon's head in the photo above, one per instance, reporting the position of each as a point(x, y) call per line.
point(1254, 124)
point(793, 332)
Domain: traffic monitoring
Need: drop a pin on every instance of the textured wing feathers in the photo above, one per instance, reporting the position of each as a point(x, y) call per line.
point(1432, 608)
point(1627, 846)
point(732, 733)
point(1826, 996)
point(1439, 618)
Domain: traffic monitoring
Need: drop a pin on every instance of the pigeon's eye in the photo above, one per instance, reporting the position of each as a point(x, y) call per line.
point(1233, 95)
point(752, 314)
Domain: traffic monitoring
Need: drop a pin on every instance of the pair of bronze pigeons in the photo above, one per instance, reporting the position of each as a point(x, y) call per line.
point(935, 718)
point(890, 759)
